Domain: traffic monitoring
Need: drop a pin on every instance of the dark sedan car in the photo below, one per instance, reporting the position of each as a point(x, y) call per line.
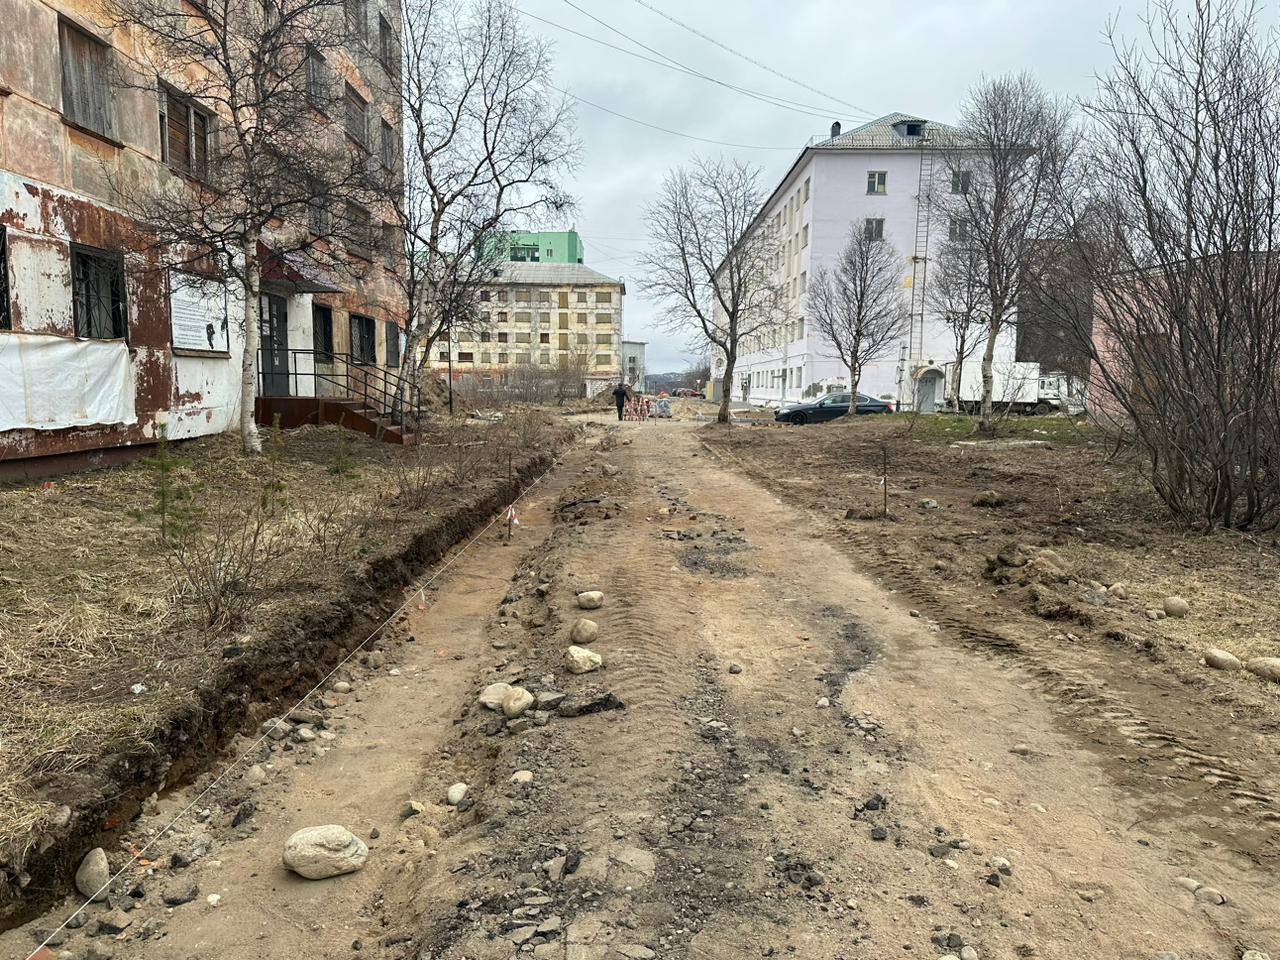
point(830, 407)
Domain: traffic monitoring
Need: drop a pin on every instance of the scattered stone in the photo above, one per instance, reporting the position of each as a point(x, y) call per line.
point(412, 808)
point(735, 668)
point(1265, 668)
point(214, 900)
point(522, 776)
point(176, 894)
point(113, 922)
point(583, 632)
point(939, 850)
point(548, 700)
point(1221, 659)
point(327, 851)
point(243, 813)
point(929, 504)
point(491, 697)
point(1118, 591)
point(1090, 895)
point(516, 702)
point(256, 774)
point(1255, 955)
point(342, 687)
point(591, 600)
point(582, 660)
point(457, 793)
point(98, 950)
point(988, 498)
point(1155, 614)
point(94, 874)
point(1176, 607)
point(823, 703)
point(879, 833)
point(914, 613)
point(597, 703)
point(1211, 895)
point(305, 735)
point(276, 729)
point(1188, 883)
point(1002, 865)
point(968, 953)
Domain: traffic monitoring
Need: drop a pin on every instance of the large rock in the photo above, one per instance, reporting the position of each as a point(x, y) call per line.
point(591, 600)
point(582, 660)
point(456, 794)
point(1176, 607)
point(1221, 659)
point(516, 702)
point(319, 852)
point(988, 498)
point(1266, 668)
point(583, 632)
point(94, 874)
point(493, 695)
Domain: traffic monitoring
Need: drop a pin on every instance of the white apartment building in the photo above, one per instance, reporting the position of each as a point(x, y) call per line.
point(874, 177)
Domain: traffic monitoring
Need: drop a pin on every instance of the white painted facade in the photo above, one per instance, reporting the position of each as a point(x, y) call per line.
point(824, 195)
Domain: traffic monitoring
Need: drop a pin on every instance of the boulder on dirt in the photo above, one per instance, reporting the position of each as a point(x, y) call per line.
point(113, 922)
point(1118, 591)
point(276, 729)
point(1015, 555)
point(1211, 895)
point(735, 668)
point(457, 793)
point(522, 776)
point(548, 699)
point(326, 851)
point(593, 703)
point(1265, 668)
point(492, 696)
point(180, 892)
point(988, 498)
point(516, 702)
point(1221, 659)
point(584, 631)
point(1177, 607)
point(582, 660)
point(591, 600)
point(94, 874)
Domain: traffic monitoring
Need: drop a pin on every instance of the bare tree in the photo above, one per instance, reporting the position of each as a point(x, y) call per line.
point(1177, 233)
point(1005, 167)
point(957, 293)
point(488, 139)
point(712, 263)
point(857, 304)
point(249, 98)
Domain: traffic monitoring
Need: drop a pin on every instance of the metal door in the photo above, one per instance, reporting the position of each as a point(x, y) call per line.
point(273, 324)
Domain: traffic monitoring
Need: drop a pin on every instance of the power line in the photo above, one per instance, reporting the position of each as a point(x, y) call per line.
point(670, 63)
point(674, 133)
point(763, 66)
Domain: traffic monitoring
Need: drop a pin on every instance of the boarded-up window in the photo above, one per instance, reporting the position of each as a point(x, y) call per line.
point(393, 344)
point(390, 246)
point(363, 334)
point(86, 95)
point(357, 116)
point(6, 320)
point(317, 80)
point(359, 226)
point(387, 51)
point(97, 294)
point(388, 145)
point(185, 131)
point(317, 207)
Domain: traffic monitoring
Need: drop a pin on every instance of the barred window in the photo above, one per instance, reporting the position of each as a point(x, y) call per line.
point(97, 294)
point(363, 334)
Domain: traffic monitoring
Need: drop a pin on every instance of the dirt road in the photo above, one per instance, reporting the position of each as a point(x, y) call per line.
point(779, 758)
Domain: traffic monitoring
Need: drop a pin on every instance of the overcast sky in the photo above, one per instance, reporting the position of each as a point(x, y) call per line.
point(917, 57)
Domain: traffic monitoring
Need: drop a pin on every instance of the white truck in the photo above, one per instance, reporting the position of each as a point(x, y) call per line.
point(1018, 388)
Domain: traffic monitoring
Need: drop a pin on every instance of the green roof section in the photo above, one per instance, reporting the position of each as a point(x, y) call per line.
point(541, 246)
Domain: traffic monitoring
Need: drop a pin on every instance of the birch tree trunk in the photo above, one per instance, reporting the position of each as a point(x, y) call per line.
point(249, 439)
point(726, 390)
point(988, 377)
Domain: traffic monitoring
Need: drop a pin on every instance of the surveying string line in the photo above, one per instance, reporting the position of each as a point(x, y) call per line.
point(674, 133)
point(763, 66)
point(420, 592)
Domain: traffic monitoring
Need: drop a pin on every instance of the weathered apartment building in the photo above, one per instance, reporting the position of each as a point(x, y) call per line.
point(879, 177)
point(541, 319)
point(99, 343)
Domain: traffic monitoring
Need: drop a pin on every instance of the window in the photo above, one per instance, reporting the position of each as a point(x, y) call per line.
point(959, 229)
point(393, 344)
point(502, 337)
point(357, 17)
point(359, 232)
point(317, 213)
point(804, 282)
point(6, 321)
point(877, 181)
point(874, 228)
point(960, 181)
point(86, 89)
point(322, 332)
point(485, 296)
point(604, 296)
point(443, 356)
point(357, 117)
point(603, 360)
point(485, 336)
point(582, 296)
point(804, 236)
point(604, 318)
point(915, 129)
point(184, 134)
point(97, 294)
point(604, 338)
point(807, 183)
point(563, 299)
point(563, 321)
point(502, 296)
point(387, 52)
point(390, 245)
point(544, 296)
point(466, 357)
point(522, 296)
point(317, 80)
point(544, 338)
point(582, 318)
point(502, 358)
point(522, 317)
point(583, 338)
point(388, 145)
point(363, 333)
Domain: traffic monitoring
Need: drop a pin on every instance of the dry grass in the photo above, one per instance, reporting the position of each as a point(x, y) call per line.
point(91, 602)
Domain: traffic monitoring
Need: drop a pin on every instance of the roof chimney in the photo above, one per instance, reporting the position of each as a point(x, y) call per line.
point(835, 130)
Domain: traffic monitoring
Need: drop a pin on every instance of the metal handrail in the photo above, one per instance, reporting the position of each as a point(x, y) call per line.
point(378, 389)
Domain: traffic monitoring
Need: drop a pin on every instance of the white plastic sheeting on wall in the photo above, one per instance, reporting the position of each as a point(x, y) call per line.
point(50, 382)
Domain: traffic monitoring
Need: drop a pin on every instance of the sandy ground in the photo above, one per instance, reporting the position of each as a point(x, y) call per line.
point(793, 762)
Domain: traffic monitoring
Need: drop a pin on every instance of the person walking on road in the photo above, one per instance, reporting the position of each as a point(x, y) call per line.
point(620, 395)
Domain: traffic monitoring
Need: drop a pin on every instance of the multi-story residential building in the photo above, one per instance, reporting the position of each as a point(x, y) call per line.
point(633, 363)
point(541, 246)
point(542, 319)
point(878, 177)
point(100, 345)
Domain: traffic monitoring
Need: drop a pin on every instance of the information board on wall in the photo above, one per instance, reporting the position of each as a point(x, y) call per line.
point(198, 314)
